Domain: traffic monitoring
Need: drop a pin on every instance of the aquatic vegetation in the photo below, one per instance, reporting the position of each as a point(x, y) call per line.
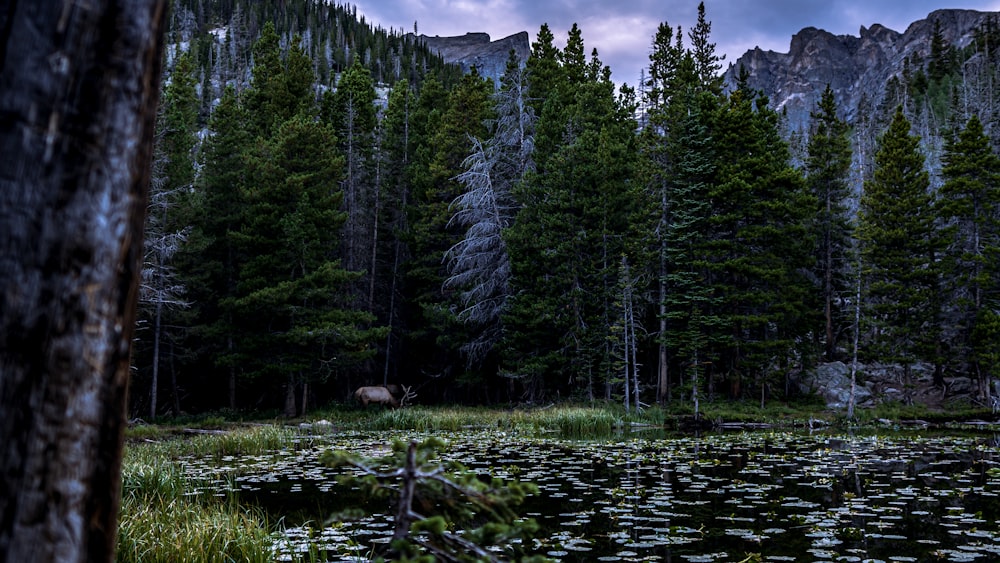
point(578, 422)
point(775, 494)
point(779, 496)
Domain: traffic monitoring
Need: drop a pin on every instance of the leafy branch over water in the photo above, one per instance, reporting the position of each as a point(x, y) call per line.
point(444, 512)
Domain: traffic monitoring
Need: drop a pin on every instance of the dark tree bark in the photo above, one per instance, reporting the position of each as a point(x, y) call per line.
point(78, 94)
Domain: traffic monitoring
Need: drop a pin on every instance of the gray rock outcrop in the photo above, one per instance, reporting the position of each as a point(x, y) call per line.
point(832, 382)
point(857, 68)
point(477, 50)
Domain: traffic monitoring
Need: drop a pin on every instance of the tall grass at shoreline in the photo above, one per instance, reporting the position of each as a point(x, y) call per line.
point(163, 519)
point(567, 421)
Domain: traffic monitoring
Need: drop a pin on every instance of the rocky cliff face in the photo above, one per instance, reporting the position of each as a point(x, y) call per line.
point(476, 50)
point(856, 68)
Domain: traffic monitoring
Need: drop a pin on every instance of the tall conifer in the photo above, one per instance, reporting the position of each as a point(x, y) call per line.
point(828, 168)
point(969, 201)
point(210, 263)
point(568, 236)
point(479, 264)
point(297, 328)
point(436, 335)
point(900, 250)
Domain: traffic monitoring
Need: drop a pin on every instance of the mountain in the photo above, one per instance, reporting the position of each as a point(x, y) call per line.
point(859, 69)
point(475, 50)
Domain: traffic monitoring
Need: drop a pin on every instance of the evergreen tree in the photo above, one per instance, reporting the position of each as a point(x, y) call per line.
point(542, 68)
point(161, 291)
point(395, 150)
point(435, 333)
point(827, 168)
point(351, 111)
point(689, 307)
point(707, 63)
point(900, 250)
point(298, 330)
point(264, 97)
point(760, 246)
point(942, 56)
point(677, 166)
point(210, 263)
point(282, 86)
point(573, 219)
point(298, 81)
point(969, 201)
point(179, 122)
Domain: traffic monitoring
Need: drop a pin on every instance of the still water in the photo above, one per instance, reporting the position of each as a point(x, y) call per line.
point(761, 496)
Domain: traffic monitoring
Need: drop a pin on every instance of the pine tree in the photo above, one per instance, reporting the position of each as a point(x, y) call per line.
point(264, 96)
point(573, 218)
point(759, 244)
point(664, 64)
point(395, 153)
point(282, 86)
point(689, 305)
point(542, 68)
point(436, 335)
point(707, 63)
point(942, 56)
point(968, 201)
point(827, 168)
point(351, 111)
point(297, 329)
point(677, 153)
point(173, 172)
point(900, 249)
point(210, 263)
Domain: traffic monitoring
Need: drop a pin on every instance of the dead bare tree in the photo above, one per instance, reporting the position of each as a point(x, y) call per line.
point(160, 289)
point(78, 95)
point(478, 265)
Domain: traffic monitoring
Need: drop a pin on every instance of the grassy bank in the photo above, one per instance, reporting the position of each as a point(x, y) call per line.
point(163, 518)
point(166, 516)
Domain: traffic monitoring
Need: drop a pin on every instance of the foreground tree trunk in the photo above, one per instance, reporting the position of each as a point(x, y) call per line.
point(78, 94)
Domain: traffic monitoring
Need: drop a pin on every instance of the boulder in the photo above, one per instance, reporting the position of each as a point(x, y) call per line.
point(832, 382)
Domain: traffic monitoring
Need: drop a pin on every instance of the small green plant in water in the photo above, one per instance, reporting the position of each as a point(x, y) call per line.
point(473, 520)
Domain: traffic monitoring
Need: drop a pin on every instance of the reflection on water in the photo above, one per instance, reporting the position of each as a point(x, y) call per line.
point(785, 496)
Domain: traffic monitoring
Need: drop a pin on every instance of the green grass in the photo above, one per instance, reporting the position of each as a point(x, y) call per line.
point(238, 440)
point(165, 518)
point(570, 420)
point(162, 519)
point(189, 530)
point(579, 422)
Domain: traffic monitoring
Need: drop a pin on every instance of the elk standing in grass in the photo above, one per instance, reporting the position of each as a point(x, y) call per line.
point(382, 395)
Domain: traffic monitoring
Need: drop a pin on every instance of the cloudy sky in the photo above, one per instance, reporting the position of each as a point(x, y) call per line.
point(622, 31)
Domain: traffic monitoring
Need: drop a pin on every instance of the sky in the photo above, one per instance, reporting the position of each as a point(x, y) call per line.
point(622, 31)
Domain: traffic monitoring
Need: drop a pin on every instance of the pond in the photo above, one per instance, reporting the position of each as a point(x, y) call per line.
point(722, 497)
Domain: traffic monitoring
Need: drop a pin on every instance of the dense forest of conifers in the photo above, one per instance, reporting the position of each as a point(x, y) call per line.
point(549, 237)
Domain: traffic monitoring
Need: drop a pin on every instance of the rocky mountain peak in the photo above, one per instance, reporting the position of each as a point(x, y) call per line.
point(477, 50)
point(857, 68)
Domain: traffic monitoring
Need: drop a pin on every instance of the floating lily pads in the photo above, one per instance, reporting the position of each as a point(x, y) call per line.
point(713, 498)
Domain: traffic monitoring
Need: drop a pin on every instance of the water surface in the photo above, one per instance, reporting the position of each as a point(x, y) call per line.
point(724, 497)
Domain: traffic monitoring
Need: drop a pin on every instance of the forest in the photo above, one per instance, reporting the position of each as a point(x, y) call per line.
point(334, 206)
